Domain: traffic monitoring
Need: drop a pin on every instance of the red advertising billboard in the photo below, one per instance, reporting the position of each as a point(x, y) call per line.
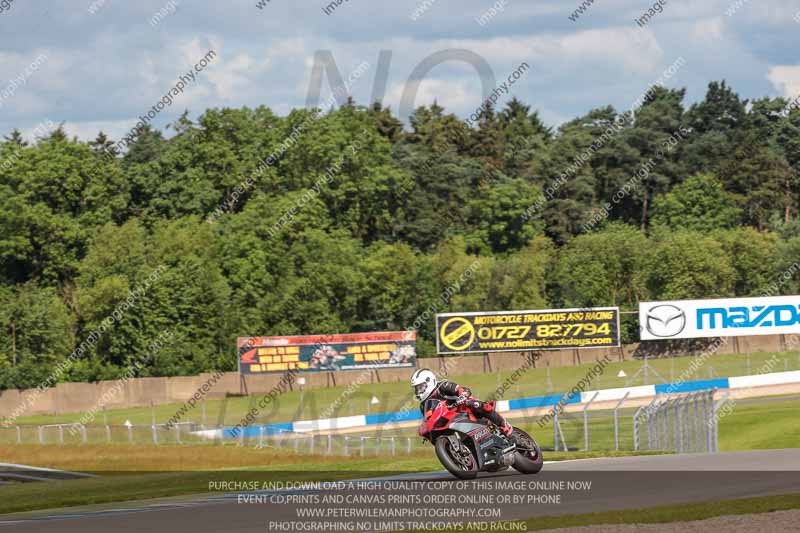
point(341, 351)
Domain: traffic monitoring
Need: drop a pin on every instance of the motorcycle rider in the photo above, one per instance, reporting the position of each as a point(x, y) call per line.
point(429, 391)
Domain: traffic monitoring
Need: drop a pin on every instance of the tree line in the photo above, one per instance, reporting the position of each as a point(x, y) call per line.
point(362, 224)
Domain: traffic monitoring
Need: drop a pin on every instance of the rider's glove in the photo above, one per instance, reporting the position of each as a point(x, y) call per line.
point(462, 399)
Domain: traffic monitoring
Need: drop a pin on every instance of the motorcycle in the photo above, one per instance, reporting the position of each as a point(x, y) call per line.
point(466, 445)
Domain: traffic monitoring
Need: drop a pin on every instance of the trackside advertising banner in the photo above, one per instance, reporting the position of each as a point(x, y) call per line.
point(346, 351)
point(507, 331)
point(724, 317)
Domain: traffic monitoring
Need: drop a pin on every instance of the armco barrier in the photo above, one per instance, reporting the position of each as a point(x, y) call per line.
point(760, 380)
point(536, 402)
point(691, 386)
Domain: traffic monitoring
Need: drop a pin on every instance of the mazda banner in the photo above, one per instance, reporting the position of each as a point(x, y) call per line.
point(724, 317)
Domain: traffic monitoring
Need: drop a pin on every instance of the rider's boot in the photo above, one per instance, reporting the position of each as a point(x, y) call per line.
point(499, 421)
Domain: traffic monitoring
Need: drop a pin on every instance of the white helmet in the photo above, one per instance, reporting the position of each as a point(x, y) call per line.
point(424, 383)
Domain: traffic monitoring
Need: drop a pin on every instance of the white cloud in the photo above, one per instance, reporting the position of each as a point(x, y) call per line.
point(453, 95)
point(105, 68)
point(87, 131)
point(786, 79)
point(708, 30)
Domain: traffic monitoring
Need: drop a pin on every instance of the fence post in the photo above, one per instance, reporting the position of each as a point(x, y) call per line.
point(153, 422)
point(394, 450)
point(647, 412)
point(41, 435)
point(346, 442)
point(19, 435)
point(663, 433)
point(717, 407)
point(687, 409)
point(563, 440)
point(712, 428)
point(682, 425)
point(130, 434)
point(688, 421)
point(654, 421)
point(311, 446)
point(709, 419)
point(362, 446)
point(667, 413)
point(698, 438)
point(108, 433)
point(83, 431)
point(586, 422)
point(409, 445)
point(555, 430)
point(261, 436)
point(330, 444)
point(616, 420)
point(60, 434)
point(652, 426)
point(676, 430)
point(636, 428)
point(679, 413)
point(702, 403)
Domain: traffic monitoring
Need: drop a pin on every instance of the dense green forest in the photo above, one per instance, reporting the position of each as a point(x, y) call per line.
point(248, 223)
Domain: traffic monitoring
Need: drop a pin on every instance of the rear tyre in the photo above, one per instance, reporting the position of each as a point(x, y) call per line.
point(528, 459)
point(461, 465)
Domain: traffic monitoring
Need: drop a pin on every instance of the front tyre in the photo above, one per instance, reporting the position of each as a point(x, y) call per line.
point(459, 462)
point(528, 458)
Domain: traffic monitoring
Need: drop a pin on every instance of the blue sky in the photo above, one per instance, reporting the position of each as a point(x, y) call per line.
point(102, 70)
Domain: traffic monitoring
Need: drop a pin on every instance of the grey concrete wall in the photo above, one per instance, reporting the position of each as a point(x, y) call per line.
point(140, 392)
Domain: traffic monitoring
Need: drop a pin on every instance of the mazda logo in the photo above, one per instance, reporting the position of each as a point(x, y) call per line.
point(665, 320)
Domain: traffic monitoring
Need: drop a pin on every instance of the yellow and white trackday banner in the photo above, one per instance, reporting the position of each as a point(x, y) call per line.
point(548, 329)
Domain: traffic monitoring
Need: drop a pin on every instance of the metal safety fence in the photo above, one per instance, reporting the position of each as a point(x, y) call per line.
point(189, 433)
point(345, 445)
point(684, 423)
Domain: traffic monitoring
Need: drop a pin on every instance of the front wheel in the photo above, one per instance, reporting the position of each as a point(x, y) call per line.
point(528, 458)
point(459, 462)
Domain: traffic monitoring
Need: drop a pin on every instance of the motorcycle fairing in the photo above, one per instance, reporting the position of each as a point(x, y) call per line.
point(489, 447)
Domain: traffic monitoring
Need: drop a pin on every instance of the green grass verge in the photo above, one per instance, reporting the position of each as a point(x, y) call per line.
point(131, 486)
point(669, 514)
point(771, 425)
point(397, 396)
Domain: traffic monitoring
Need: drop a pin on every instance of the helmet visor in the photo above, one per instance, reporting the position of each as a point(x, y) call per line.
point(419, 389)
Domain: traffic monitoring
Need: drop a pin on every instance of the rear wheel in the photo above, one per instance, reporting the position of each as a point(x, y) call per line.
point(528, 458)
point(459, 462)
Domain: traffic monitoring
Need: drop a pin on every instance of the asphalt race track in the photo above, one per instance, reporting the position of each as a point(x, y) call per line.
point(617, 483)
